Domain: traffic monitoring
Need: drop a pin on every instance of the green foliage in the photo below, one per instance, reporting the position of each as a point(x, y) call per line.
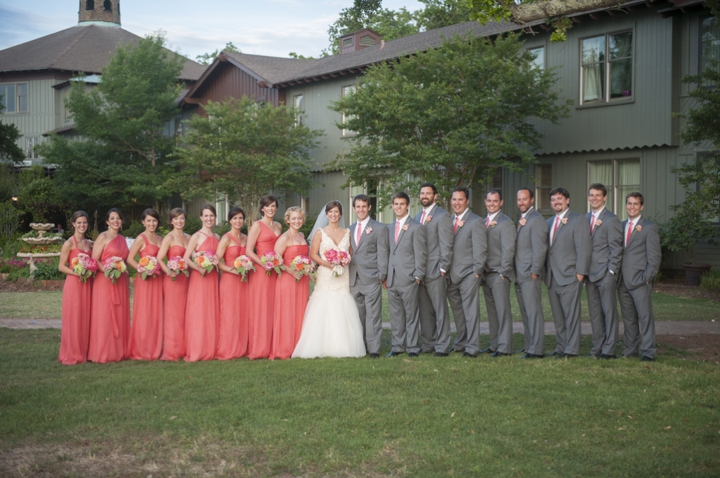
point(133, 229)
point(40, 195)
point(450, 116)
point(207, 58)
point(123, 159)
point(711, 280)
point(48, 270)
point(9, 220)
point(9, 136)
point(19, 273)
point(441, 13)
point(242, 150)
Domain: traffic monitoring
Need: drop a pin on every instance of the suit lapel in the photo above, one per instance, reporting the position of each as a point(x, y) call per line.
point(635, 231)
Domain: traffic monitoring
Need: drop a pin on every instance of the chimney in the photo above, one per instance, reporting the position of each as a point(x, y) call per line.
point(358, 40)
point(99, 12)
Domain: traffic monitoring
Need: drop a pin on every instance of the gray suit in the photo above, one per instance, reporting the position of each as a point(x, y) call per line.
point(568, 255)
point(405, 263)
point(607, 249)
point(468, 260)
point(499, 272)
point(365, 277)
point(640, 265)
point(434, 316)
point(530, 254)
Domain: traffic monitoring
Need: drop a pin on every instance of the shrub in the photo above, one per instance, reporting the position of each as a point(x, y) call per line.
point(192, 225)
point(23, 272)
point(132, 229)
point(711, 280)
point(48, 270)
point(9, 265)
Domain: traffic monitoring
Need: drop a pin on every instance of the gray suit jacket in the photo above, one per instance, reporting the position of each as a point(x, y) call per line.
point(501, 247)
point(406, 259)
point(532, 246)
point(642, 256)
point(569, 254)
point(469, 249)
point(607, 245)
point(365, 266)
point(439, 238)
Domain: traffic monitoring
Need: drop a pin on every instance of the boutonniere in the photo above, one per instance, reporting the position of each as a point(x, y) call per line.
point(428, 219)
point(461, 223)
point(492, 224)
point(368, 230)
point(523, 221)
point(638, 228)
point(405, 227)
point(598, 223)
point(564, 220)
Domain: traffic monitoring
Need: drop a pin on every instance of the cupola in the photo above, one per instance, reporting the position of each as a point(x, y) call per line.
point(101, 12)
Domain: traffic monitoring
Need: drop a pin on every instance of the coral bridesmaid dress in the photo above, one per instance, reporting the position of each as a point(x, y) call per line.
point(291, 297)
point(202, 310)
point(175, 295)
point(147, 323)
point(110, 311)
point(233, 329)
point(262, 298)
point(75, 333)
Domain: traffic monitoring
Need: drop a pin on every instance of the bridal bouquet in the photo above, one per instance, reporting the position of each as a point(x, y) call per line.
point(243, 265)
point(114, 267)
point(339, 259)
point(85, 266)
point(148, 267)
point(177, 264)
point(271, 261)
point(302, 265)
point(206, 260)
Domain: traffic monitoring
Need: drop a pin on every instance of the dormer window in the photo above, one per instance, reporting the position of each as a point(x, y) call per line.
point(90, 5)
point(107, 6)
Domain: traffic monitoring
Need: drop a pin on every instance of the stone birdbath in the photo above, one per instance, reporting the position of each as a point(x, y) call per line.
point(41, 229)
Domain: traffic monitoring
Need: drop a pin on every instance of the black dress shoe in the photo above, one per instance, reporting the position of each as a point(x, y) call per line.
point(522, 351)
point(394, 354)
point(645, 358)
point(606, 357)
point(412, 354)
point(466, 354)
point(499, 354)
point(568, 355)
point(555, 354)
point(487, 351)
point(373, 356)
point(456, 350)
point(532, 356)
point(440, 354)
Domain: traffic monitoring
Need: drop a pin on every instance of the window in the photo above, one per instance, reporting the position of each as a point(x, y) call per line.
point(539, 57)
point(66, 98)
point(620, 177)
point(107, 5)
point(298, 105)
point(346, 91)
point(30, 144)
point(90, 5)
point(543, 186)
point(709, 43)
point(305, 203)
point(606, 74)
point(14, 98)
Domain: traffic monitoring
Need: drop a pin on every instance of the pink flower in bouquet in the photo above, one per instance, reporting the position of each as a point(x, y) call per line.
point(114, 267)
point(302, 265)
point(85, 266)
point(206, 260)
point(177, 264)
point(339, 259)
point(272, 262)
point(243, 265)
point(148, 267)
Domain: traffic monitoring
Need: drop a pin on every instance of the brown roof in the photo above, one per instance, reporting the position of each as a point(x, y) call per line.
point(82, 48)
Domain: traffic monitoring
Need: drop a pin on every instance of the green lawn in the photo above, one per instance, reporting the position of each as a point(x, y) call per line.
point(355, 417)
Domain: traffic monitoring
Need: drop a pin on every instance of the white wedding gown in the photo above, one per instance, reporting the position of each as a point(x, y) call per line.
point(331, 326)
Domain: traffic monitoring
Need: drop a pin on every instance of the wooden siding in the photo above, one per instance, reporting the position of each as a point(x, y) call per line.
point(229, 81)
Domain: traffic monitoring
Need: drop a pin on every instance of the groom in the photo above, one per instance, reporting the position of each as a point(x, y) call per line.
point(369, 242)
point(406, 261)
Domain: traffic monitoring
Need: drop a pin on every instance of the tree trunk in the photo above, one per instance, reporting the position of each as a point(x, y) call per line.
point(542, 9)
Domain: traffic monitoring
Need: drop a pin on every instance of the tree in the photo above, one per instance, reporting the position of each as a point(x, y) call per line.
point(441, 13)
point(207, 58)
point(243, 150)
point(123, 158)
point(9, 135)
point(450, 116)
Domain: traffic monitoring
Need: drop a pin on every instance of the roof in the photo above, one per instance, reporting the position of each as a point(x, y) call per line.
point(82, 48)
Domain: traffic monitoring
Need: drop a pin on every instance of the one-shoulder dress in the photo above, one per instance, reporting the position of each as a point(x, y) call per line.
point(291, 297)
point(110, 311)
point(147, 320)
point(76, 301)
point(202, 310)
point(262, 299)
point(233, 328)
point(174, 295)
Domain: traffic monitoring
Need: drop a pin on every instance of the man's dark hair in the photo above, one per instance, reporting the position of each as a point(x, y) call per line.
point(401, 195)
point(494, 191)
point(463, 190)
point(532, 194)
point(635, 195)
point(562, 191)
point(362, 197)
point(598, 187)
point(429, 185)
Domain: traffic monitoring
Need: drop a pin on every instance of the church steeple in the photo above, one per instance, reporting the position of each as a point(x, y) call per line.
point(99, 12)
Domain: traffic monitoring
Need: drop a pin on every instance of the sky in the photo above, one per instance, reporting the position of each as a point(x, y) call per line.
point(266, 27)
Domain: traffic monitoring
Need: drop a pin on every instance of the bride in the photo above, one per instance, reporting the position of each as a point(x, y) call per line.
point(331, 326)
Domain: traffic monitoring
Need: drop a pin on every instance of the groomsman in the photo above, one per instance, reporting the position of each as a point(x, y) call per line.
point(369, 241)
point(466, 268)
point(530, 253)
point(640, 265)
point(406, 263)
point(434, 316)
point(499, 272)
point(607, 249)
point(568, 262)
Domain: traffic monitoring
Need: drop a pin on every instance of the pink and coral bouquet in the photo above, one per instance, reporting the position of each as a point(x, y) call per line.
point(242, 266)
point(178, 265)
point(85, 266)
point(339, 259)
point(302, 266)
point(114, 267)
point(206, 260)
point(271, 261)
point(148, 267)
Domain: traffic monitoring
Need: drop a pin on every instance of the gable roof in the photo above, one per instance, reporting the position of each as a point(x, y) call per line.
point(82, 48)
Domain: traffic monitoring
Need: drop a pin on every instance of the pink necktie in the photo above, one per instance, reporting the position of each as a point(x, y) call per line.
point(422, 219)
point(487, 222)
point(630, 227)
point(455, 224)
point(592, 224)
point(557, 221)
point(397, 230)
point(359, 234)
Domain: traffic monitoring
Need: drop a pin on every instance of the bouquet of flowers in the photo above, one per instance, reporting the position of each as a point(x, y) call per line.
point(85, 266)
point(206, 260)
point(177, 264)
point(243, 265)
point(114, 267)
point(148, 267)
point(271, 261)
point(339, 259)
point(302, 265)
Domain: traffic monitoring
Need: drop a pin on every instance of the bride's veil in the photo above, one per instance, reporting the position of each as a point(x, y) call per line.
point(322, 221)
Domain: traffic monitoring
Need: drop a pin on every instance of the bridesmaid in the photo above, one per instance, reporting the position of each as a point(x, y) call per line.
point(75, 334)
point(261, 239)
point(290, 295)
point(147, 320)
point(202, 309)
point(233, 329)
point(110, 311)
point(174, 291)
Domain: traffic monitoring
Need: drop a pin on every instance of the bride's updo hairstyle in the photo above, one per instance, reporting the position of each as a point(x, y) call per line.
point(266, 201)
point(333, 204)
point(291, 210)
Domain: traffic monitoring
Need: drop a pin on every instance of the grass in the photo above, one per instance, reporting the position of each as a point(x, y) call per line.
point(354, 417)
